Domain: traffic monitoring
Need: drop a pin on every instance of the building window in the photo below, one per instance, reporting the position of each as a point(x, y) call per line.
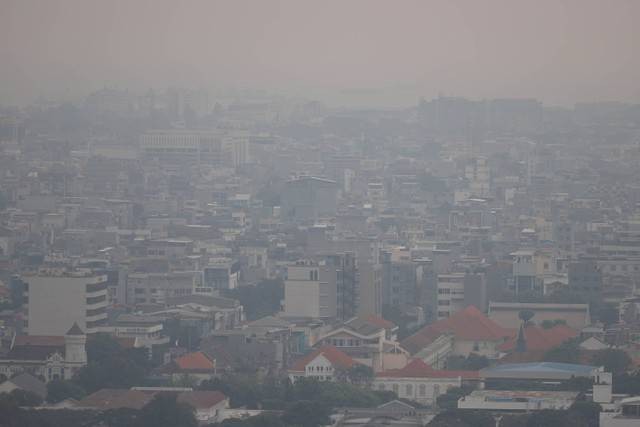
point(422, 390)
point(395, 388)
point(408, 390)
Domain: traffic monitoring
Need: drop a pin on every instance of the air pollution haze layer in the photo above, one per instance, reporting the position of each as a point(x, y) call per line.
point(385, 52)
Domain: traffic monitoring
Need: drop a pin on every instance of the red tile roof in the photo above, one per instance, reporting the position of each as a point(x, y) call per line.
point(468, 324)
point(201, 399)
point(380, 322)
point(337, 358)
point(540, 339)
point(39, 340)
point(526, 357)
point(109, 398)
point(197, 361)
point(417, 368)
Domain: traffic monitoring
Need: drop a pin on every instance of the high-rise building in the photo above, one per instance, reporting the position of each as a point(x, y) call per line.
point(221, 274)
point(56, 299)
point(450, 294)
point(311, 290)
point(308, 198)
point(346, 283)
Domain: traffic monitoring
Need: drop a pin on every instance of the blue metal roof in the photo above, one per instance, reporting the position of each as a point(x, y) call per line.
point(540, 370)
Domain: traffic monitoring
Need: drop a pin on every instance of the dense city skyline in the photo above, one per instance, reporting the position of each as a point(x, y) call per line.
point(293, 213)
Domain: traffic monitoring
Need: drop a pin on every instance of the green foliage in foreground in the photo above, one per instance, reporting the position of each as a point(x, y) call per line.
point(271, 393)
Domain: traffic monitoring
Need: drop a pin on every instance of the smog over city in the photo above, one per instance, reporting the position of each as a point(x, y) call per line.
point(296, 213)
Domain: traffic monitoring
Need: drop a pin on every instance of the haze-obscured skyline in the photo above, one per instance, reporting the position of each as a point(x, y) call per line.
point(558, 51)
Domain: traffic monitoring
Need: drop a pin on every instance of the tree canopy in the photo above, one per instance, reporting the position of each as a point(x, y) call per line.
point(272, 393)
point(111, 366)
point(59, 390)
point(567, 352)
point(473, 362)
point(307, 413)
point(462, 418)
point(165, 411)
point(613, 360)
point(259, 300)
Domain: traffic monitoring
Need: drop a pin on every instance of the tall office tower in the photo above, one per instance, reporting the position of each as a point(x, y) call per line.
point(346, 283)
point(56, 299)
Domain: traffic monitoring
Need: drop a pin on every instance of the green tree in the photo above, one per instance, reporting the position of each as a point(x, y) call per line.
point(449, 400)
point(59, 390)
point(242, 390)
point(473, 362)
point(111, 366)
point(567, 352)
point(579, 417)
point(526, 315)
point(462, 418)
point(613, 360)
point(122, 417)
point(165, 411)
point(262, 420)
point(25, 398)
point(259, 300)
point(360, 374)
point(307, 414)
point(608, 315)
point(10, 414)
point(626, 384)
point(101, 347)
point(548, 324)
point(588, 412)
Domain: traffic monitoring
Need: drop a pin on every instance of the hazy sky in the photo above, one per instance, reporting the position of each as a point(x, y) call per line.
point(560, 51)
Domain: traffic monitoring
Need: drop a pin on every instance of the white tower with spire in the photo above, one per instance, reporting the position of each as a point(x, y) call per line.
point(75, 351)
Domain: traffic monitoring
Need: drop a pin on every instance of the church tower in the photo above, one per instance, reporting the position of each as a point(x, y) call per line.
point(74, 346)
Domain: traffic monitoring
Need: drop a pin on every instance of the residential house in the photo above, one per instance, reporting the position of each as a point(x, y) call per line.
point(191, 368)
point(421, 383)
point(370, 341)
point(25, 382)
point(507, 314)
point(208, 405)
point(465, 332)
point(393, 413)
point(517, 400)
point(324, 364)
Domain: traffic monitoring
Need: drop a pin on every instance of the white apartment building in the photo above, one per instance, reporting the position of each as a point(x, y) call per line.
point(152, 288)
point(310, 290)
point(57, 299)
point(625, 414)
point(450, 294)
point(207, 147)
point(514, 400)
point(146, 330)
